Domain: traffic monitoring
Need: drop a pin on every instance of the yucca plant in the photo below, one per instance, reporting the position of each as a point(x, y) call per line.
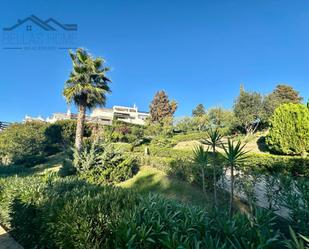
point(235, 155)
point(86, 87)
point(214, 140)
point(200, 157)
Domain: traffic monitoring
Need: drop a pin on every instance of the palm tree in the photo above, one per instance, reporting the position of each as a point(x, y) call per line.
point(234, 155)
point(213, 140)
point(200, 157)
point(86, 87)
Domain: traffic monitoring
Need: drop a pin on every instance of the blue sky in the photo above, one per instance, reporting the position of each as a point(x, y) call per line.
point(198, 51)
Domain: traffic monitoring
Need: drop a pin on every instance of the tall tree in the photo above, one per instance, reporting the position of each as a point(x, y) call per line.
point(221, 117)
point(86, 87)
point(282, 94)
point(248, 110)
point(161, 107)
point(199, 111)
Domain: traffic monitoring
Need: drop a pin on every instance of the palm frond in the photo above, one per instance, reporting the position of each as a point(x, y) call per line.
point(88, 83)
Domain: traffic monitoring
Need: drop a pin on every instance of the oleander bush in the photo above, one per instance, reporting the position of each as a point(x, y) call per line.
point(48, 212)
point(24, 143)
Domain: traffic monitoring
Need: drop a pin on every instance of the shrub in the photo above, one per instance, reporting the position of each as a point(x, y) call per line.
point(160, 223)
point(67, 213)
point(266, 163)
point(24, 143)
point(123, 132)
point(47, 212)
point(62, 133)
point(104, 164)
point(289, 132)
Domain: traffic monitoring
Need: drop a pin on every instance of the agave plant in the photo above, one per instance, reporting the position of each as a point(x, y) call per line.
point(200, 157)
point(213, 140)
point(234, 155)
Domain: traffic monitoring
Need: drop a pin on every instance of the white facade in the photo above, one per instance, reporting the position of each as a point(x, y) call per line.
point(101, 115)
point(123, 113)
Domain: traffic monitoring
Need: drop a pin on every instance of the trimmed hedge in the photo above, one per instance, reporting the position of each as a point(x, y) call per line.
point(266, 163)
point(190, 136)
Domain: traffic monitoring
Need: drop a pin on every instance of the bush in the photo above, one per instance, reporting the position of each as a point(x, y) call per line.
point(266, 163)
point(48, 212)
point(24, 143)
point(62, 133)
point(123, 132)
point(68, 213)
point(289, 132)
point(104, 164)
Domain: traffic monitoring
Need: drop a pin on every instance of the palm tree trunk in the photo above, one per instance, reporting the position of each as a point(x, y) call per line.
point(214, 176)
point(232, 190)
point(80, 127)
point(203, 180)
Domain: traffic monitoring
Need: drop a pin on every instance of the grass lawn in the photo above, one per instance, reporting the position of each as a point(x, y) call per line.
point(149, 179)
point(52, 164)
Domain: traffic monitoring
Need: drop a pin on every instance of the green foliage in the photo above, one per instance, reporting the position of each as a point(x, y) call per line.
point(221, 118)
point(24, 143)
point(104, 164)
point(67, 213)
point(67, 168)
point(190, 136)
point(248, 110)
point(63, 132)
point(124, 132)
point(199, 111)
point(289, 132)
point(196, 123)
point(287, 165)
point(294, 196)
point(70, 213)
point(200, 157)
point(282, 94)
point(234, 155)
point(161, 107)
point(86, 87)
point(297, 242)
point(87, 84)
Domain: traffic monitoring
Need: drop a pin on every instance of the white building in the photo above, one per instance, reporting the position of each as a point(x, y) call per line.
point(101, 115)
point(122, 113)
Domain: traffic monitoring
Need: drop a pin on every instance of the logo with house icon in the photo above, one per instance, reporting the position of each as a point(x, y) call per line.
point(50, 24)
point(34, 33)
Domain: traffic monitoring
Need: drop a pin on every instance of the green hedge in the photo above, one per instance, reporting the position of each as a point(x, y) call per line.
point(190, 136)
point(47, 212)
point(266, 163)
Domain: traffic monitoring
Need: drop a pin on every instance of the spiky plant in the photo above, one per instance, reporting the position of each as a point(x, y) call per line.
point(235, 155)
point(200, 157)
point(86, 87)
point(214, 140)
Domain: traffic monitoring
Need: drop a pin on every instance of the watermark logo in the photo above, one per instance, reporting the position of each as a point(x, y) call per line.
point(33, 33)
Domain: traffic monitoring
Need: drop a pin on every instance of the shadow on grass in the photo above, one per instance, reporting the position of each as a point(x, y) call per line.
point(152, 180)
point(261, 143)
point(52, 162)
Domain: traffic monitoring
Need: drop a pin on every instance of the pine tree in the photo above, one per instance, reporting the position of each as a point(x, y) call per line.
point(161, 107)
